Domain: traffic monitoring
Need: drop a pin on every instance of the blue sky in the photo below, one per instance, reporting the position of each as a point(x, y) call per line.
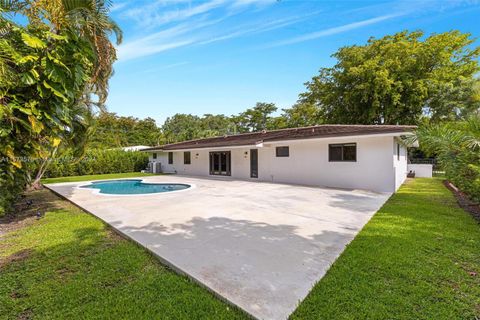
point(223, 56)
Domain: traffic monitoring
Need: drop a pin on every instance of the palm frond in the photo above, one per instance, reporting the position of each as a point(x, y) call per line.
point(11, 5)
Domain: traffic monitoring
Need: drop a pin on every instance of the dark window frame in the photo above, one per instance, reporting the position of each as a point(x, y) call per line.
point(253, 163)
point(170, 158)
point(217, 155)
point(187, 159)
point(154, 155)
point(398, 151)
point(280, 154)
point(342, 145)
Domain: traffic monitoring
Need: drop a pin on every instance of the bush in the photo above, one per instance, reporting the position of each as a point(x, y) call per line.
point(11, 187)
point(457, 146)
point(98, 161)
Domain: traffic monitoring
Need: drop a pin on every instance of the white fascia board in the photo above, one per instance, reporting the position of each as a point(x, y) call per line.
point(269, 143)
point(360, 136)
point(213, 148)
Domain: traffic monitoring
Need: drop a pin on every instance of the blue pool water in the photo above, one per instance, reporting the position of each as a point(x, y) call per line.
point(134, 187)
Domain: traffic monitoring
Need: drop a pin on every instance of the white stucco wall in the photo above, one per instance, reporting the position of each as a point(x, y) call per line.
point(399, 163)
point(421, 170)
point(376, 168)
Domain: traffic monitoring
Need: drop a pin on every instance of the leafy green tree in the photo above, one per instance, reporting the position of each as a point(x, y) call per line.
point(107, 134)
point(279, 122)
point(302, 115)
point(113, 131)
point(255, 119)
point(457, 147)
point(397, 79)
point(146, 132)
point(215, 125)
point(455, 100)
point(181, 127)
point(49, 68)
point(73, 141)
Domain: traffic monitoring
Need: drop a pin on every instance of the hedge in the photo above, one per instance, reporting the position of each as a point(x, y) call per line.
point(98, 161)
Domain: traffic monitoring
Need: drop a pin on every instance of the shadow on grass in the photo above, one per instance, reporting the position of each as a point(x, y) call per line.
point(85, 270)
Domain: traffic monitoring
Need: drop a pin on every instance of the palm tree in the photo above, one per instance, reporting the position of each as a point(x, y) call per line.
point(457, 147)
point(90, 20)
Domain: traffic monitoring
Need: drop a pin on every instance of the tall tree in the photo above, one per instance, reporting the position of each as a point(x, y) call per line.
point(181, 127)
point(455, 100)
point(113, 131)
point(257, 118)
point(302, 115)
point(396, 79)
point(215, 125)
point(49, 68)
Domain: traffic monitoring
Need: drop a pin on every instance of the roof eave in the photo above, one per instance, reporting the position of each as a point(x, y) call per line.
point(273, 141)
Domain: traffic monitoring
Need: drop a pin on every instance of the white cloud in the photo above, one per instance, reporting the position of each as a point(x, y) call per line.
point(192, 20)
point(118, 6)
point(133, 51)
point(156, 42)
point(161, 12)
point(335, 30)
point(241, 3)
point(260, 28)
point(172, 38)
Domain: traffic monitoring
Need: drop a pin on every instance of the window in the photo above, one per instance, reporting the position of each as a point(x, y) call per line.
point(170, 158)
point(342, 152)
point(282, 151)
point(398, 151)
point(186, 157)
point(154, 156)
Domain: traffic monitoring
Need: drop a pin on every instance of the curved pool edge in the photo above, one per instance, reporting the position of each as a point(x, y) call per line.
point(98, 191)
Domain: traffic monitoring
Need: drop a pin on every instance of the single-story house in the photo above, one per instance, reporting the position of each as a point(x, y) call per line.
point(371, 157)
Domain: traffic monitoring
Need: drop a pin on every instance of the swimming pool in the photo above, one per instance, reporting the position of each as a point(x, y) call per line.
point(134, 186)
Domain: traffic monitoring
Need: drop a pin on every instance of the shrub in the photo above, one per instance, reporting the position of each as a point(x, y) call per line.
point(457, 146)
point(98, 161)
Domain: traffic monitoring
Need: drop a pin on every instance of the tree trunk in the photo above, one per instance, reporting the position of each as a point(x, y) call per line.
point(36, 184)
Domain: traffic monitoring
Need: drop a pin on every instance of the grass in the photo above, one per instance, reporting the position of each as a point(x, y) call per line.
point(97, 177)
point(418, 258)
point(70, 265)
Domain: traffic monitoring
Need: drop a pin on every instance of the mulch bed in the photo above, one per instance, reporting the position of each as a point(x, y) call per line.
point(463, 201)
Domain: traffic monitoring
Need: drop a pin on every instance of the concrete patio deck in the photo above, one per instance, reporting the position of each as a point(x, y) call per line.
point(261, 246)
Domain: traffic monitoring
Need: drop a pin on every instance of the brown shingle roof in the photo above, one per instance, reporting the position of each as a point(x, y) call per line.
point(321, 131)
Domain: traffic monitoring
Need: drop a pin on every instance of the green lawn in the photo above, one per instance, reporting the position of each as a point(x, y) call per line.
point(97, 177)
point(419, 257)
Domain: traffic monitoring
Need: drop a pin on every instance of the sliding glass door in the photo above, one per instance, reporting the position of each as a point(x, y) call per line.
point(220, 163)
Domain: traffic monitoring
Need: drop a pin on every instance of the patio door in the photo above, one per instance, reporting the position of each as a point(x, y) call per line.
point(220, 163)
point(253, 163)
